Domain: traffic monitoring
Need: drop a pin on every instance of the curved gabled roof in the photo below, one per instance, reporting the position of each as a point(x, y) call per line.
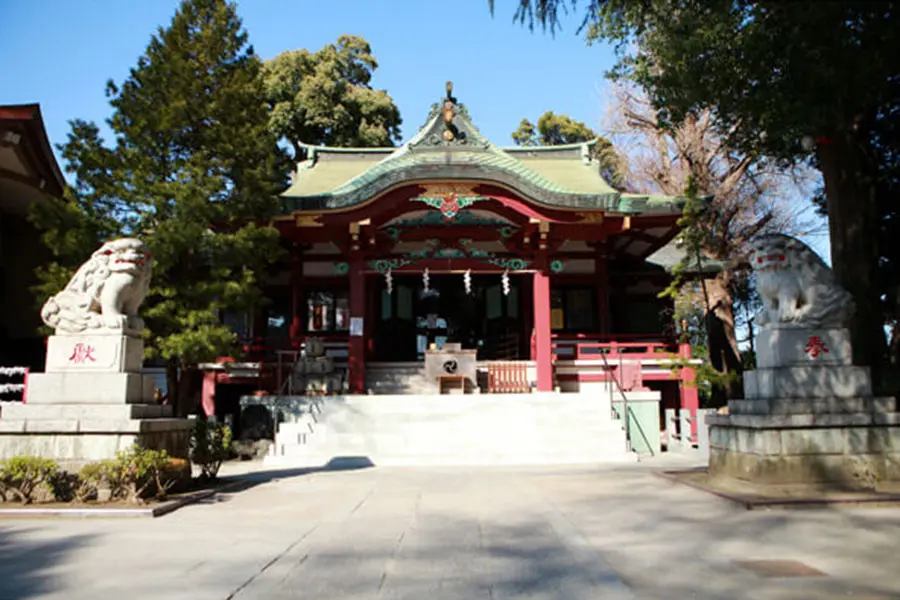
point(557, 176)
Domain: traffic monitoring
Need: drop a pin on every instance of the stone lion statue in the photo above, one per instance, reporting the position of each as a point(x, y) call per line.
point(105, 293)
point(796, 286)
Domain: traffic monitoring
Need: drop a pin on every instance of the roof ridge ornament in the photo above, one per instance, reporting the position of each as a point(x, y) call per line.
point(449, 113)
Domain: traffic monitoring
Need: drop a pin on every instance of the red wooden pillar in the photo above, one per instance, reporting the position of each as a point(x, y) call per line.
point(542, 339)
point(207, 393)
point(690, 394)
point(356, 359)
point(373, 303)
point(297, 312)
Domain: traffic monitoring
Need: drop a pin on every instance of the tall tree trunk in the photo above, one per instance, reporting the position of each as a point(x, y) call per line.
point(849, 198)
point(724, 355)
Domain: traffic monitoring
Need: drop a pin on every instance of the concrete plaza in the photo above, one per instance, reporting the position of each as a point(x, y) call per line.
point(434, 534)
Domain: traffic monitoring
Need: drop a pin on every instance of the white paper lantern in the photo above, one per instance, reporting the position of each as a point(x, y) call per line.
point(389, 282)
point(467, 281)
point(505, 281)
point(425, 279)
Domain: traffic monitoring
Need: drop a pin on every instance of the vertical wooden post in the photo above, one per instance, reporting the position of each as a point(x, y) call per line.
point(543, 349)
point(297, 312)
point(207, 393)
point(690, 393)
point(356, 359)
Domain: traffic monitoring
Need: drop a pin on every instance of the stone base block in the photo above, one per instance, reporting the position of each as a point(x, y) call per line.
point(860, 471)
point(74, 443)
point(836, 449)
point(812, 381)
point(813, 406)
point(90, 388)
point(793, 346)
point(94, 354)
point(832, 438)
point(78, 412)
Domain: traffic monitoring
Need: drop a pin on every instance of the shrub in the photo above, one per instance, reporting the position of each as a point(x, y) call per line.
point(210, 447)
point(91, 478)
point(177, 474)
point(64, 486)
point(134, 472)
point(21, 476)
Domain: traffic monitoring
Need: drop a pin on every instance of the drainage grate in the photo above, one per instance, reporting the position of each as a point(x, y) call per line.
point(779, 568)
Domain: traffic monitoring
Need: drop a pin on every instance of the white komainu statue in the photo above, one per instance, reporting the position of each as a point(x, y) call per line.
point(796, 286)
point(105, 293)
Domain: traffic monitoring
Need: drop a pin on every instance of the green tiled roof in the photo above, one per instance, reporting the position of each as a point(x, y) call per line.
point(559, 176)
point(670, 256)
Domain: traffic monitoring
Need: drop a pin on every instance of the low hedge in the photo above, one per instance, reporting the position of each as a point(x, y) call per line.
point(133, 476)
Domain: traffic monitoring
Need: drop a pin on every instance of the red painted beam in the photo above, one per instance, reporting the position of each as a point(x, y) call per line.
point(356, 359)
point(373, 209)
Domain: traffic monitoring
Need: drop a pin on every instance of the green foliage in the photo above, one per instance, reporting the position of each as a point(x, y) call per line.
point(526, 134)
point(552, 130)
point(88, 214)
point(556, 130)
point(210, 447)
point(774, 71)
point(689, 296)
point(192, 168)
point(22, 476)
point(64, 486)
point(326, 97)
point(790, 81)
point(134, 473)
point(91, 478)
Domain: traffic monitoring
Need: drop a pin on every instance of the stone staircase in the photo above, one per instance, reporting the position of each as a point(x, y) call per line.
point(452, 430)
point(398, 379)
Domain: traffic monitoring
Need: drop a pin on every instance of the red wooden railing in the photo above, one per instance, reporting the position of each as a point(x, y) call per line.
point(508, 377)
point(633, 347)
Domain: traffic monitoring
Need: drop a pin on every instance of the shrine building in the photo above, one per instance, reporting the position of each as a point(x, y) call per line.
point(524, 259)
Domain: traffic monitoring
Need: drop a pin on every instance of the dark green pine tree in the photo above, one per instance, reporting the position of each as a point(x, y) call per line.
point(194, 172)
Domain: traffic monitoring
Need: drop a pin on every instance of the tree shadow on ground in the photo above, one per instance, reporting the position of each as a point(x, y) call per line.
point(27, 566)
point(246, 481)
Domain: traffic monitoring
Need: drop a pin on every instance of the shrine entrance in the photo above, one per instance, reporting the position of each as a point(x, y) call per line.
point(412, 319)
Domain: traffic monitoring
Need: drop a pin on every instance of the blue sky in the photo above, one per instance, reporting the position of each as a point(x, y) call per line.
point(61, 53)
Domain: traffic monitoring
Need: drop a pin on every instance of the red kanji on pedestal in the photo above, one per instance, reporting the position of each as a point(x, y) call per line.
point(82, 353)
point(815, 347)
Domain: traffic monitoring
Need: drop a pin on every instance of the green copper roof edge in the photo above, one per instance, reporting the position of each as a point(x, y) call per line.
point(327, 201)
point(658, 198)
point(490, 157)
point(349, 149)
point(390, 149)
point(573, 146)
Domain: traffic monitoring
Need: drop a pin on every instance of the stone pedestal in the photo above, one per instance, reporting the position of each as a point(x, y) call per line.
point(452, 360)
point(91, 403)
point(808, 417)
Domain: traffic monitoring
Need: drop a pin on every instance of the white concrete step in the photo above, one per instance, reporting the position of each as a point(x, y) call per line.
point(455, 430)
point(321, 459)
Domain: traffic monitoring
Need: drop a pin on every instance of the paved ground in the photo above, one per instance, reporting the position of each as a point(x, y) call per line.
point(569, 533)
